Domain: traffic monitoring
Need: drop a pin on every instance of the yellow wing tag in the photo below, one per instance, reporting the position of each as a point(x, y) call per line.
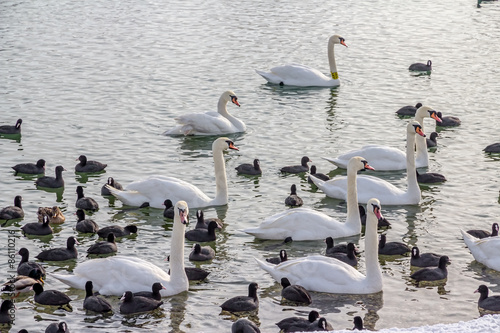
point(335, 75)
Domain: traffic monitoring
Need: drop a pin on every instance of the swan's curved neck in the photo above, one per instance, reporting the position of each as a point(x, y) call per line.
point(421, 144)
point(221, 194)
point(222, 106)
point(177, 272)
point(373, 271)
point(331, 60)
point(353, 217)
point(411, 171)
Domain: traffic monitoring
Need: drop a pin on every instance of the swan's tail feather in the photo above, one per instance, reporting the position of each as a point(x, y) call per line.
point(334, 161)
point(270, 77)
point(468, 238)
point(128, 197)
point(74, 281)
point(265, 266)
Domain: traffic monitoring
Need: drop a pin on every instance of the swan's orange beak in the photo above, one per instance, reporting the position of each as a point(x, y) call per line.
point(232, 146)
point(234, 99)
point(369, 167)
point(419, 131)
point(183, 216)
point(343, 43)
point(436, 117)
point(376, 211)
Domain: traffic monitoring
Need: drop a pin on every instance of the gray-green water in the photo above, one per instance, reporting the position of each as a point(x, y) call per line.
point(105, 79)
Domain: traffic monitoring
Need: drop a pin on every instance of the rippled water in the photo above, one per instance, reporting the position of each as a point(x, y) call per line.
point(105, 79)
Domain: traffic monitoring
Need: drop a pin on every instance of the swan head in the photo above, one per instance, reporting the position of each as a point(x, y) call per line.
point(337, 39)
point(223, 144)
point(426, 111)
point(373, 207)
point(230, 96)
point(358, 163)
point(181, 210)
point(414, 127)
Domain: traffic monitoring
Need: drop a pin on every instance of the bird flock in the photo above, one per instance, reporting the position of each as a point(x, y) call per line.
point(141, 285)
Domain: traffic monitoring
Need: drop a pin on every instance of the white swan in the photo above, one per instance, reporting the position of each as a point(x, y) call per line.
point(305, 76)
point(308, 224)
point(330, 275)
point(484, 250)
point(369, 186)
point(210, 123)
point(115, 275)
point(384, 158)
point(156, 189)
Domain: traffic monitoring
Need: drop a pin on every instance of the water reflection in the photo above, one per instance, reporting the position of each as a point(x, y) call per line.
point(178, 311)
point(58, 191)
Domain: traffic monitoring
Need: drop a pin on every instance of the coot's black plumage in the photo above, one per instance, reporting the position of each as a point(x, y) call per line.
point(49, 297)
point(203, 235)
point(432, 140)
point(293, 199)
point(202, 222)
point(36, 228)
point(201, 253)
point(61, 327)
point(382, 222)
point(89, 166)
point(12, 129)
point(432, 273)
point(60, 253)
point(249, 169)
point(493, 148)
point(154, 293)
point(478, 233)
point(358, 323)
point(25, 266)
point(294, 292)
point(448, 121)
point(94, 303)
point(421, 67)
point(294, 324)
point(430, 177)
point(30, 168)
point(424, 259)
point(408, 110)
point(283, 257)
point(104, 247)
point(86, 226)
point(84, 202)
point(319, 175)
point(243, 325)
point(113, 183)
point(331, 248)
point(349, 257)
point(168, 212)
point(391, 248)
point(52, 182)
point(5, 317)
point(303, 167)
point(243, 303)
point(136, 304)
point(13, 212)
point(490, 303)
point(119, 231)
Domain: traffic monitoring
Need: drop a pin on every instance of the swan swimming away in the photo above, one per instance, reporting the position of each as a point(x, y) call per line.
point(369, 186)
point(305, 76)
point(484, 250)
point(324, 274)
point(307, 224)
point(156, 189)
point(118, 274)
point(210, 123)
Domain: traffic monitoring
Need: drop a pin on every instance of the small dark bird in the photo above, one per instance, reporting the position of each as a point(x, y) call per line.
point(136, 304)
point(408, 110)
point(483, 233)
point(294, 292)
point(249, 169)
point(293, 199)
point(391, 248)
point(57, 328)
point(60, 253)
point(297, 324)
point(194, 273)
point(5, 317)
point(491, 303)
point(169, 209)
point(154, 293)
point(86, 226)
point(243, 303)
point(420, 67)
point(303, 167)
point(52, 182)
point(349, 257)
point(430, 177)
point(244, 325)
point(89, 166)
point(202, 222)
point(11, 129)
point(283, 257)
point(319, 175)
point(30, 168)
point(382, 221)
point(49, 297)
point(493, 148)
point(36, 228)
point(432, 140)
point(331, 248)
point(83, 202)
point(25, 266)
point(13, 212)
point(320, 325)
point(434, 273)
point(104, 247)
point(201, 253)
point(119, 231)
point(275, 246)
point(448, 121)
point(358, 323)
point(94, 303)
point(423, 259)
point(111, 182)
point(203, 235)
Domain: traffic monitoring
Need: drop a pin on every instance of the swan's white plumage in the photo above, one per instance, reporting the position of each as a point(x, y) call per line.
point(325, 274)
point(305, 76)
point(156, 189)
point(210, 123)
point(484, 250)
point(117, 274)
point(385, 158)
point(370, 187)
point(308, 224)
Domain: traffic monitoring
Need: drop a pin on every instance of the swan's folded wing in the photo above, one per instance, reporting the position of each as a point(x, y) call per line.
point(484, 250)
point(205, 123)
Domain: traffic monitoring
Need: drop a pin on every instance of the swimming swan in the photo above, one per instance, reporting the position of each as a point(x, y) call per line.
point(484, 250)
